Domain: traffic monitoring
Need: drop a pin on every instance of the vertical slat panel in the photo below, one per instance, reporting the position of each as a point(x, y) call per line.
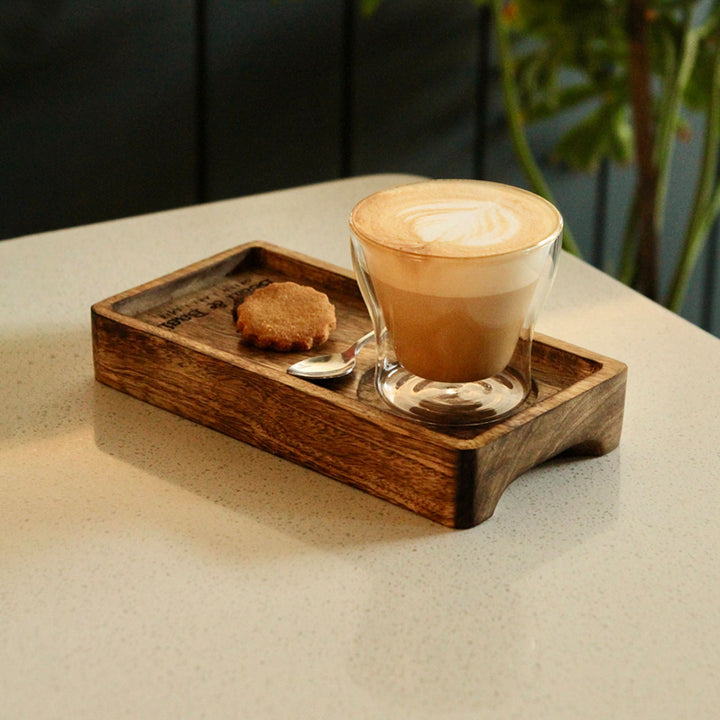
point(713, 276)
point(600, 219)
point(710, 318)
point(415, 87)
point(201, 101)
point(274, 94)
point(347, 137)
point(482, 101)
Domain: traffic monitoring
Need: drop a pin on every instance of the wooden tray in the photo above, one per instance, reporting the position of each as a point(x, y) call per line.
point(172, 342)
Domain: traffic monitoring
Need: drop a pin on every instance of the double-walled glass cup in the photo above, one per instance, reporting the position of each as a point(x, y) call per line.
point(454, 273)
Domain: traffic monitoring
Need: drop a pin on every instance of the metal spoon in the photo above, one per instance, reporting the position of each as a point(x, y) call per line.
point(335, 365)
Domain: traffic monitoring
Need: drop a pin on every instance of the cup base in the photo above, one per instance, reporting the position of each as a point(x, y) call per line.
point(440, 403)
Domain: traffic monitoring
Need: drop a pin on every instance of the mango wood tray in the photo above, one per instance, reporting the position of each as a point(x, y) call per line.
point(172, 342)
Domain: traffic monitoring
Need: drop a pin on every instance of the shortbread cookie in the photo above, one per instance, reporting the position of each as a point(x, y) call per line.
point(286, 316)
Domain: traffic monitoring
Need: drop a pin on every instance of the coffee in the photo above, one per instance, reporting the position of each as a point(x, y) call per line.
point(454, 265)
point(453, 339)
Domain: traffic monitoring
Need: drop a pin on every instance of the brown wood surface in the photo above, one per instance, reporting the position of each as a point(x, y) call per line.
point(172, 342)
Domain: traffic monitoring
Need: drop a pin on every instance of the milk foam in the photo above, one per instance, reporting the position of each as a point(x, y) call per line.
point(473, 223)
point(456, 218)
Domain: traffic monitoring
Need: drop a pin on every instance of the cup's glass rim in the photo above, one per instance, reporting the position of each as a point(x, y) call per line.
point(488, 257)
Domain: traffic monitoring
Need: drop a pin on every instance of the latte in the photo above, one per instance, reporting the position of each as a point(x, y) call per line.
point(454, 265)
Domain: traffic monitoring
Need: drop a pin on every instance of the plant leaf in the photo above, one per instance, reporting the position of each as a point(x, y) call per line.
point(605, 132)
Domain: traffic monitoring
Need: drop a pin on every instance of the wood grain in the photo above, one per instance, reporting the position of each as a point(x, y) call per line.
point(172, 343)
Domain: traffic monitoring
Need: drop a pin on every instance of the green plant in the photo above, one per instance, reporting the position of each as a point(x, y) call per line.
point(631, 70)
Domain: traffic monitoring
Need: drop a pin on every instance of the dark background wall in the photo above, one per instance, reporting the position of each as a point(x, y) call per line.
point(110, 109)
point(96, 110)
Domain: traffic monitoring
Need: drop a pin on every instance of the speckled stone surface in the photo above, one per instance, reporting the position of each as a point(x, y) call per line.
point(151, 568)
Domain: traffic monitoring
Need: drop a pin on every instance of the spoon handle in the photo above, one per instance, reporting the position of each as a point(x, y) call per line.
point(364, 340)
point(350, 353)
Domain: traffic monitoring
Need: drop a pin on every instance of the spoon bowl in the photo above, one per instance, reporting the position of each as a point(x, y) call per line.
point(334, 365)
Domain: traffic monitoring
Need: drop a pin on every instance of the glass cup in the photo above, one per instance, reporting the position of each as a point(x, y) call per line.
point(454, 273)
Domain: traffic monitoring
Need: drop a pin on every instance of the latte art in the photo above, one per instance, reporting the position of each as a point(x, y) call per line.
point(474, 223)
point(456, 218)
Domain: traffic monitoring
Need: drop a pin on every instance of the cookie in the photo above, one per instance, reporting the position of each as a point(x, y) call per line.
point(286, 316)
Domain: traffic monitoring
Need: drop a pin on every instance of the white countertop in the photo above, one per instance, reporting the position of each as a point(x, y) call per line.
point(152, 568)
